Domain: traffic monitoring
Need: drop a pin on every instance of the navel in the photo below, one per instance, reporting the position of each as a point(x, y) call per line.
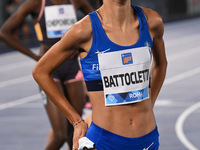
point(131, 121)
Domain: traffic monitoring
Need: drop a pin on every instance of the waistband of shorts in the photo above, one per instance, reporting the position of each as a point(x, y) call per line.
point(125, 140)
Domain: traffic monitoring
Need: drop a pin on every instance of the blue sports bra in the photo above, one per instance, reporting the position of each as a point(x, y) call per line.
point(109, 65)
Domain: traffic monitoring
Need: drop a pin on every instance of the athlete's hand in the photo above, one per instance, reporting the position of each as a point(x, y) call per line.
point(79, 131)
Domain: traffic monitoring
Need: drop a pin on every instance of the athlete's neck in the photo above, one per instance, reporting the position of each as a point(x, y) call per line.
point(116, 13)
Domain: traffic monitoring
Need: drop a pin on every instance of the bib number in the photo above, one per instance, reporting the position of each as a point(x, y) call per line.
point(125, 75)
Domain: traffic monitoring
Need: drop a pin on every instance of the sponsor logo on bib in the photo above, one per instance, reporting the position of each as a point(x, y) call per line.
point(127, 58)
point(61, 11)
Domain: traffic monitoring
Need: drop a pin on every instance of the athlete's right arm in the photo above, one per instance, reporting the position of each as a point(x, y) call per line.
point(79, 36)
point(14, 22)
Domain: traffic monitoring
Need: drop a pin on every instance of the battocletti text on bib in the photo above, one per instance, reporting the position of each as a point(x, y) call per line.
point(125, 75)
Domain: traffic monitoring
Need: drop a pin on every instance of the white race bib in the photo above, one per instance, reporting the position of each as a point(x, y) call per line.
point(125, 75)
point(59, 19)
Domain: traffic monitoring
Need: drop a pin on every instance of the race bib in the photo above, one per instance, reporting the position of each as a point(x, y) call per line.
point(125, 75)
point(59, 19)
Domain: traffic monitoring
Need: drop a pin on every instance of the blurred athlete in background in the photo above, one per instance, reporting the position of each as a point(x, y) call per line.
point(52, 19)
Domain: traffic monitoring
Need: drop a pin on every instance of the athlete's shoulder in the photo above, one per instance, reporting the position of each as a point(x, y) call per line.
point(82, 29)
point(154, 20)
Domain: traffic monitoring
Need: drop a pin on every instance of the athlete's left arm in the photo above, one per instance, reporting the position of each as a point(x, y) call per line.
point(159, 63)
point(83, 5)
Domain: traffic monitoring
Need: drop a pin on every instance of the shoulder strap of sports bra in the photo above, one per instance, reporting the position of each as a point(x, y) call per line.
point(94, 20)
point(144, 25)
point(97, 29)
point(139, 12)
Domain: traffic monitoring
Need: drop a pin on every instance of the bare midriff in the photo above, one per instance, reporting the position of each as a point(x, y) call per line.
point(129, 120)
